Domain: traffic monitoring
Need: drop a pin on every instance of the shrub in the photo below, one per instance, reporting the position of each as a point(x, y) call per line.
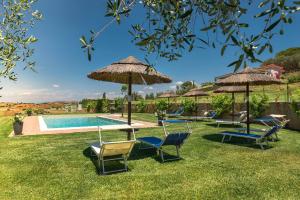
point(141, 106)
point(39, 111)
point(28, 112)
point(295, 102)
point(294, 79)
point(119, 104)
point(258, 104)
point(189, 105)
point(102, 106)
point(161, 105)
point(161, 108)
point(221, 104)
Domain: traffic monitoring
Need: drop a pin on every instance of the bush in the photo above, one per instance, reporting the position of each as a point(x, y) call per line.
point(102, 106)
point(39, 111)
point(119, 104)
point(189, 105)
point(295, 102)
point(28, 112)
point(258, 104)
point(141, 106)
point(161, 105)
point(294, 79)
point(221, 104)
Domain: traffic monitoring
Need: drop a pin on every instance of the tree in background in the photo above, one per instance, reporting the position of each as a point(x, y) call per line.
point(258, 104)
point(16, 20)
point(221, 104)
point(170, 28)
point(185, 87)
point(289, 59)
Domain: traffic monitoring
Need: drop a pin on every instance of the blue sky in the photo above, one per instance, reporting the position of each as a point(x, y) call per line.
point(62, 66)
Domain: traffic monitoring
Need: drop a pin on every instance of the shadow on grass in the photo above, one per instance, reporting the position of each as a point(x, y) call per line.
point(215, 125)
point(136, 154)
point(234, 141)
point(109, 166)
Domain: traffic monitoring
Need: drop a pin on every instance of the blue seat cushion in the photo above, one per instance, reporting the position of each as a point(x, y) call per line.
point(175, 138)
point(153, 141)
point(236, 134)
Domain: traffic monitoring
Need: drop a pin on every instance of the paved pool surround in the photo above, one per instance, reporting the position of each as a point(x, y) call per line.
point(33, 125)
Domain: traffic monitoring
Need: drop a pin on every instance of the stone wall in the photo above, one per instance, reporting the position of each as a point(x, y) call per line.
point(274, 108)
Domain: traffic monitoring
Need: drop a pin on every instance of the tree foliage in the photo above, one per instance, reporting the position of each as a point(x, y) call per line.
point(185, 87)
point(170, 28)
point(16, 19)
point(221, 104)
point(289, 59)
point(258, 104)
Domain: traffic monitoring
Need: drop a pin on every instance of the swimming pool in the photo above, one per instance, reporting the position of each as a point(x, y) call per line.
point(71, 122)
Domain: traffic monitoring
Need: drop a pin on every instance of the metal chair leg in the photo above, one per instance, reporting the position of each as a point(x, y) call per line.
point(223, 138)
point(162, 155)
point(177, 150)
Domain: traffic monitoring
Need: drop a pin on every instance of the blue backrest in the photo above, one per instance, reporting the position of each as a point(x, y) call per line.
point(212, 114)
point(180, 110)
point(176, 139)
point(272, 131)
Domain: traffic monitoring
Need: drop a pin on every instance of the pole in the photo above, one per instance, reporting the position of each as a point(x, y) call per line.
point(248, 108)
point(129, 103)
point(233, 102)
point(287, 93)
point(196, 106)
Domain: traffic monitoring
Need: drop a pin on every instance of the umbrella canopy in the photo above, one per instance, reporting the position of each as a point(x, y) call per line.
point(168, 95)
point(120, 72)
point(246, 78)
point(195, 93)
point(129, 71)
point(231, 89)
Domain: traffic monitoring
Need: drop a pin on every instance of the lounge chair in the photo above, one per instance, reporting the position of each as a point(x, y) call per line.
point(177, 113)
point(206, 116)
point(111, 151)
point(268, 122)
point(172, 139)
point(241, 119)
point(261, 140)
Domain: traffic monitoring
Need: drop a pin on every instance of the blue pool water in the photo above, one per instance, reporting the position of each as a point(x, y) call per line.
point(78, 121)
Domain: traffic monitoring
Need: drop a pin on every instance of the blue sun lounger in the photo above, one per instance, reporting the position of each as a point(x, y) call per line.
point(261, 140)
point(177, 113)
point(173, 139)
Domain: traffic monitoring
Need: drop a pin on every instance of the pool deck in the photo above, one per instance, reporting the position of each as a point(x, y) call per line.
point(31, 125)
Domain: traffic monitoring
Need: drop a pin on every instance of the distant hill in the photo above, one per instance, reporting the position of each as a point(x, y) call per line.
point(289, 59)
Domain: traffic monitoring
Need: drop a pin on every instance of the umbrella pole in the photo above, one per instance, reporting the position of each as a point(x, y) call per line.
point(233, 102)
point(129, 104)
point(248, 108)
point(196, 106)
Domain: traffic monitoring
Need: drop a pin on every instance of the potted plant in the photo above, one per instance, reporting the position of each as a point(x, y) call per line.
point(18, 124)
point(161, 108)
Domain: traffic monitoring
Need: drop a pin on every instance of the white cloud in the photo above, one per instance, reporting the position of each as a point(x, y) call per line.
point(179, 82)
point(148, 88)
point(141, 92)
point(173, 87)
point(55, 86)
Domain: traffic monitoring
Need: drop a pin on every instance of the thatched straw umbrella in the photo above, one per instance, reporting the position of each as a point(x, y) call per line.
point(129, 71)
point(196, 92)
point(232, 90)
point(246, 78)
point(168, 95)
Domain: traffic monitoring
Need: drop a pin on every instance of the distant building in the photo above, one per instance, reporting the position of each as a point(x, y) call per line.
point(274, 70)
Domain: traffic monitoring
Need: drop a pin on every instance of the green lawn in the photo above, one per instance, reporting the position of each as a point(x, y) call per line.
point(59, 167)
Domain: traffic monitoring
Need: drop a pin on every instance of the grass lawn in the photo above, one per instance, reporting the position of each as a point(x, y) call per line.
point(59, 167)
